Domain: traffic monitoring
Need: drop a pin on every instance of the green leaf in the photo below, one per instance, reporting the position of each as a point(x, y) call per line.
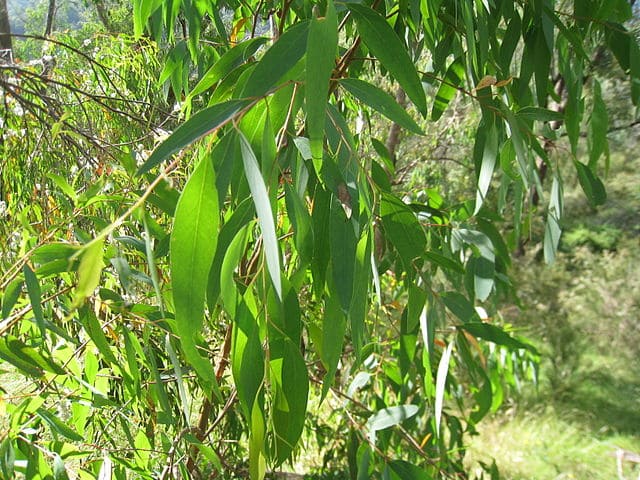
point(202, 123)
point(58, 426)
point(63, 185)
point(94, 329)
point(263, 208)
point(35, 296)
point(277, 61)
point(343, 243)
point(226, 63)
point(408, 471)
point(382, 102)
point(51, 252)
point(488, 164)
point(591, 184)
point(552, 228)
point(321, 54)
point(10, 296)
point(389, 417)
point(392, 53)
point(460, 306)
point(89, 270)
point(495, 334)
point(301, 223)
point(334, 325)
point(539, 114)
point(192, 247)
point(441, 381)
point(290, 400)
point(448, 88)
point(23, 364)
point(403, 229)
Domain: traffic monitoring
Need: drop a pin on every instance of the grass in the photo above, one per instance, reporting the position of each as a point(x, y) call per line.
point(549, 444)
point(584, 314)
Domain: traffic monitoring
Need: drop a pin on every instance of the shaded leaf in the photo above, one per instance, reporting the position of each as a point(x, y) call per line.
point(277, 61)
point(495, 334)
point(382, 102)
point(387, 47)
point(448, 88)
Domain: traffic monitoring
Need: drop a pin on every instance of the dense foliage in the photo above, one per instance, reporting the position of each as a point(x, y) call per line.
point(178, 299)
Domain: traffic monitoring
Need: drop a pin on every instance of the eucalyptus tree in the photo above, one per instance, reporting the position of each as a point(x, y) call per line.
point(277, 246)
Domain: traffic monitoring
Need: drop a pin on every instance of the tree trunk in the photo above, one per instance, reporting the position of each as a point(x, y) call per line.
point(51, 13)
point(5, 32)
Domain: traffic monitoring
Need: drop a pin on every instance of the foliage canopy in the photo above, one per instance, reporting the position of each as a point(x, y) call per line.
point(267, 232)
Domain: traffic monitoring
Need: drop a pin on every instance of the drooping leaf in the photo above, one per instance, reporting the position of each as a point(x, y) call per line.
point(460, 306)
point(343, 243)
point(203, 122)
point(403, 229)
point(389, 417)
point(277, 61)
point(227, 62)
point(334, 324)
point(387, 47)
point(552, 228)
point(380, 101)
point(10, 296)
point(193, 245)
point(263, 208)
point(488, 163)
point(441, 381)
point(591, 184)
point(89, 270)
point(58, 426)
point(496, 335)
point(321, 53)
point(408, 471)
point(290, 402)
point(448, 88)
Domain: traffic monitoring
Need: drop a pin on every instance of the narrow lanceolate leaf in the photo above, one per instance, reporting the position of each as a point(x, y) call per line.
point(387, 47)
point(321, 54)
point(448, 88)
point(441, 381)
point(552, 228)
point(192, 246)
point(382, 102)
point(591, 184)
point(35, 296)
point(263, 208)
point(58, 426)
point(227, 62)
point(89, 271)
point(495, 334)
point(200, 124)
point(488, 163)
point(277, 61)
point(389, 417)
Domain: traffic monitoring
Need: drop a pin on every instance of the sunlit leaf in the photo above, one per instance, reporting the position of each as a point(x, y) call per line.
point(193, 245)
point(321, 53)
point(203, 122)
point(263, 208)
